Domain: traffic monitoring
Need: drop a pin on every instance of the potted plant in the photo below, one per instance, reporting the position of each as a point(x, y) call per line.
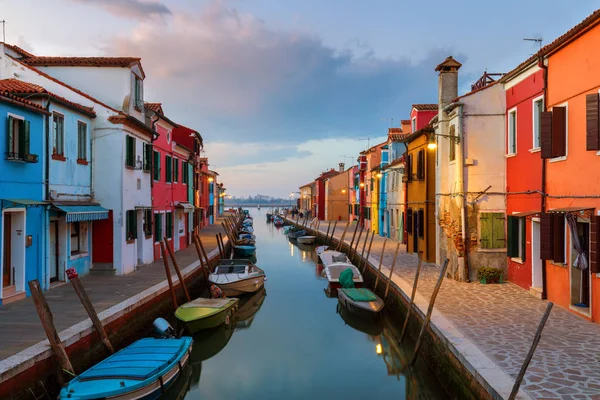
point(490, 275)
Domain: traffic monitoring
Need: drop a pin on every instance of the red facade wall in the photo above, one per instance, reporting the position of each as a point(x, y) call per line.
point(524, 170)
point(423, 117)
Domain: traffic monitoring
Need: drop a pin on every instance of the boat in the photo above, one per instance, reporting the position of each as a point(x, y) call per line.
point(269, 217)
point(206, 313)
point(241, 250)
point(142, 370)
point(361, 302)
point(247, 236)
point(237, 277)
point(246, 229)
point(296, 234)
point(334, 264)
point(309, 239)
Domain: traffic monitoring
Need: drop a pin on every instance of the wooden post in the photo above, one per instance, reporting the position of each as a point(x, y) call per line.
point(357, 242)
point(327, 234)
point(205, 254)
point(536, 340)
point(340, 245)
point(168, 272)
point(412, 298)
point(204, 267)
point(222, 243)
point(177, 270)
point(332, 233)
point(352, 241)
point(219, 246)
point(318, 228)
point(380, 262)
point(366, 262)
point(387, 287)
point(362, 253)
point(429, 311)
point(89, 307)
point(47, 320)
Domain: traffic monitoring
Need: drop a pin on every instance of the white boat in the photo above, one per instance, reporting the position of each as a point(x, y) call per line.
point(237, 277)
point(335, 263)
point(306, 239)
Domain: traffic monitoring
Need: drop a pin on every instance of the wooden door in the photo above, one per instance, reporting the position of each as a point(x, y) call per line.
point(416, 228)
point(53, 251)
point(7, 269)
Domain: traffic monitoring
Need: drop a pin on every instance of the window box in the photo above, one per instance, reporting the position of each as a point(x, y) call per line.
point(82, 162)
point(59, 157)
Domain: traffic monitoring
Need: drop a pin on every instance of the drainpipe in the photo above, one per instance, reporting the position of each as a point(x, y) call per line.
point(46, 246)
point(153, 120)
point(543, 199)
point(404, 227)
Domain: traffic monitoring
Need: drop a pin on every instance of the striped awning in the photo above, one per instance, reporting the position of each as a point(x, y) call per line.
point(187, 207)
point(76, 213)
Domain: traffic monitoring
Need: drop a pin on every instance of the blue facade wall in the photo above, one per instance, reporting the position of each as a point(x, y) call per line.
point(384, 223)
point(211, 201)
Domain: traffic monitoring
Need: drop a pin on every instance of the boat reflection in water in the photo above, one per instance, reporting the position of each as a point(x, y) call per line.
point(181, 386)
point(249, 306)
point(372, 327)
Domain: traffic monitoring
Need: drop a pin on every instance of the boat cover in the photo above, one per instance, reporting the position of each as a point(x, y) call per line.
point(360, 294)
point(207, 303)
point(346, 278)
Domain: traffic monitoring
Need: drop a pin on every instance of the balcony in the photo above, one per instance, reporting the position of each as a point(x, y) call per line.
point(20, 157)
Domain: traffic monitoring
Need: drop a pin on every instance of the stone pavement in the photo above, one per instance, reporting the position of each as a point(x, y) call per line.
point(20, 326)
point(501, 321)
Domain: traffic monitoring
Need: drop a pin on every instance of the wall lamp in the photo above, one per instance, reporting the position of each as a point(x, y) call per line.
point(432, 145)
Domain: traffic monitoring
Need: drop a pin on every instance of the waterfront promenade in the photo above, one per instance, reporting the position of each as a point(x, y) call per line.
point(501, 320)
point(20, 326)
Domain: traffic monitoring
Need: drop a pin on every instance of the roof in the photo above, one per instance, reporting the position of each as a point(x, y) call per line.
point(8, 97)
point(475, 91)
point(17, 87)
point(425, 107)
point(18, 50)
point(412, 136)
point(405, 121)
point(307, 185)
point(372, 148)
point(156, 107)
point(132, 122)
point(111, 62)
point(328, 174)
point(448, 64)
point(396, 162)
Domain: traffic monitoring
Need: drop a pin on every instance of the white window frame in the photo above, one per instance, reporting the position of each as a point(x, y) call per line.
point(534, 126)
point(564, 158)
point(413, 124)
point(82, 241)
point(512, 136)
point(55, 134)
point(21, 118)
point(520, 238)
point(79, 121)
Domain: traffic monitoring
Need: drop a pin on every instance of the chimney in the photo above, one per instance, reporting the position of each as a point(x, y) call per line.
point(406, 126)
point(342, 165)
point(447, 81)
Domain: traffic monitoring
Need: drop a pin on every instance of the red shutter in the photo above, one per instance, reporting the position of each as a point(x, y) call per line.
point(594, 244)
point(546, 134)
point(558, 238)
point(559, 131)
point(591, 116)
point(546, 236)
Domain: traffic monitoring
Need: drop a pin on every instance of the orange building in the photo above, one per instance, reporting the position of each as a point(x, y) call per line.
point(337, 196)
point(570, 144)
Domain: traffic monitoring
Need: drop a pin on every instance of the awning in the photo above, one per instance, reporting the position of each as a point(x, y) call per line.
point(25, 202)
point(524, 213)
point(570, 209)
point(186, 206)
point(82, 212)
point(143, 207)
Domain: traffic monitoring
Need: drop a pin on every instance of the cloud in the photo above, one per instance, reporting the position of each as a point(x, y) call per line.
point(136, 9)
point(227, 74)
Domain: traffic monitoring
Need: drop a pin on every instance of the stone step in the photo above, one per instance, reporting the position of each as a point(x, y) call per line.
point(10, 297)
point(102, 269)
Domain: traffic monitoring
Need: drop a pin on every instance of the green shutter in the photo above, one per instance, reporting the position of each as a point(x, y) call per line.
point(21, 138)
point(157, 227)
point(156, 166)
point(485, 236)
point(168, 168)
point(512, 249)
point(169, 225)
point(128, 151)
point(9, 135)
point(26, 138)
point(498, 235)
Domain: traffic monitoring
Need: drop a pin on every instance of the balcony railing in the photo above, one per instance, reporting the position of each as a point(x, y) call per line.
point(29, 158)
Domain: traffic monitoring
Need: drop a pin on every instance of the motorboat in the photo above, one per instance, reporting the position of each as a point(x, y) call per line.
point(237, 277)
point(296, 234)
point(361, 302)
point(205, 313)
point(244, 250)
point(335, 263)
point(309, 239)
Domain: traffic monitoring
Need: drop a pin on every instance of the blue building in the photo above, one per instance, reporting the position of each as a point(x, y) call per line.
point(23, 212)
point(384, 226)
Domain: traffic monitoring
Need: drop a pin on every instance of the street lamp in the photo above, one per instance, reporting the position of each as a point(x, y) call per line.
point(379, 175)
point(432, 144)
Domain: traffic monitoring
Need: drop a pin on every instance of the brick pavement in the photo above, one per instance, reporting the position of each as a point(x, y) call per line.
point(19, 323)
point(501, 320)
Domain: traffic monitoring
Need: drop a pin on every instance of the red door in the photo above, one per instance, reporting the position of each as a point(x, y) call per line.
point(6, 271)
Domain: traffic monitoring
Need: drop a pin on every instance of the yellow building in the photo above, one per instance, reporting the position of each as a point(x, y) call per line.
point(337, 196)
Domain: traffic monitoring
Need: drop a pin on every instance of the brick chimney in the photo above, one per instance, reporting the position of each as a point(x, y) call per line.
point(342, 165)
point(447, 81)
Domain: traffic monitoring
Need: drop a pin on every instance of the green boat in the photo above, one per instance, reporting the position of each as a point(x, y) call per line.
point(206, 313)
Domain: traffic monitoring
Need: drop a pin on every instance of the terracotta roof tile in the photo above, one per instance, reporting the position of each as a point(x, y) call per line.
point(156, 107)
point(328, 174)
point(405, 122)
point(40, 61)
point(8, 96)
point(425, 107)
point(132, 122)
point(17, 87)
point(18, 50)
point(394, 130)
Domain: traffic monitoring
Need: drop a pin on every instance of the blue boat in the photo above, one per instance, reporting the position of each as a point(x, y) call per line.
point(142, 370)
point(244, 251)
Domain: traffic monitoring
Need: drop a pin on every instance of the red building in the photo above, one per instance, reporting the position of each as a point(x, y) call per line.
point(421, 115)
point(524, 104)
point(320, 192)
point(203, 177)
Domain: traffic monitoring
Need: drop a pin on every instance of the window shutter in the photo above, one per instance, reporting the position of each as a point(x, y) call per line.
point(9, 135)
point(421, 215)
point(26, 137)
point(485, 236)
point(546, 236)
point(559, 131)
point(21, 139)
point(512, 248)
point(498, 232)
point(409, 221)
point(523, 239)
point(546, 134)
point(409, 162)
point(591, 116)
point(594, 244)
point(558, 242)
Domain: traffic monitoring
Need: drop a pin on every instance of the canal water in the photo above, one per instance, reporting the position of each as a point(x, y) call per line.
point(290, 342)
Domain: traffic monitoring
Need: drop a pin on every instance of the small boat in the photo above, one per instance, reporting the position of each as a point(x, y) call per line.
point(361, 302)
point(247, 236)
point(335, 263)
point(142, 370)
point(206, 313)
point(269, 217)
point(246, 229)
point(296, 234)
point(237, 277)
point(244, 250)
point(307, 239)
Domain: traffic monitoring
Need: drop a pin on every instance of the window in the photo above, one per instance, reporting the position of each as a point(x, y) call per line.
point(592, 127)
point(554, 132)
point(138, 99)
point(158, 235)
point(421, 224)
point(147, 149)
point(552, 237)
point(538, 109)
point(421, 165)
point(409, 169)
point(156, 166)
point(491, 232)
point(81, 140)
point(512, 132)
point(516, 237)
point(452, 152)
point(175, 170)
point(409, 221)
point(130, 151)
point(413, 124)
point(169, 225)
point(17, 146)
point(185, 173)
point(131, 225)
point(169, 168)
point(79, 238)
point(58, 143)
point(148, 223)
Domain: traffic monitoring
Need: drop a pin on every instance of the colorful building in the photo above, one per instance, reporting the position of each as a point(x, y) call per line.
point(306, 196)
point(337, 195)
point(353, 194)
point(392, 174)
point(321, 193)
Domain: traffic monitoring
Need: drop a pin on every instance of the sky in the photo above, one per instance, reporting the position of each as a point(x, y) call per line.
point(284, 90)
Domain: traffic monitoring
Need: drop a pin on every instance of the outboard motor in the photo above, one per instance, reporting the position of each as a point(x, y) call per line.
point(163, 329)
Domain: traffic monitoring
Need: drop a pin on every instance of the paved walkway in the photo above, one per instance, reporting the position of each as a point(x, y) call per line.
point(501, 321)
point(20, 326)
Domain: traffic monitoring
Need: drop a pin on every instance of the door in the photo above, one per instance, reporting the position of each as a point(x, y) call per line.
point(7, 255)
point(536, 262)
point(53, 251)
point(416, 226)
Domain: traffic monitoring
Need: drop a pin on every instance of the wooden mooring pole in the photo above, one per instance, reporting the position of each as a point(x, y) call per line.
point(429, 311)
point(177, 270)
point(357, 242)
point(380, 262)
point(222, 243)
point(89, 308)
point(352, 241)
point(362, 253)
point(168, 272)
point(219, 246)
point(412, 298)
point(327, 234)
point(47, 320)
point(387, 286)
point(340, 245)
point(332, 233)
point(201, 258)
point(206, 254)
point(366, 259)
point(536, 340)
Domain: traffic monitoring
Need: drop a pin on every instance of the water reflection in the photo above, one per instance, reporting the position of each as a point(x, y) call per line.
point(248, 309)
